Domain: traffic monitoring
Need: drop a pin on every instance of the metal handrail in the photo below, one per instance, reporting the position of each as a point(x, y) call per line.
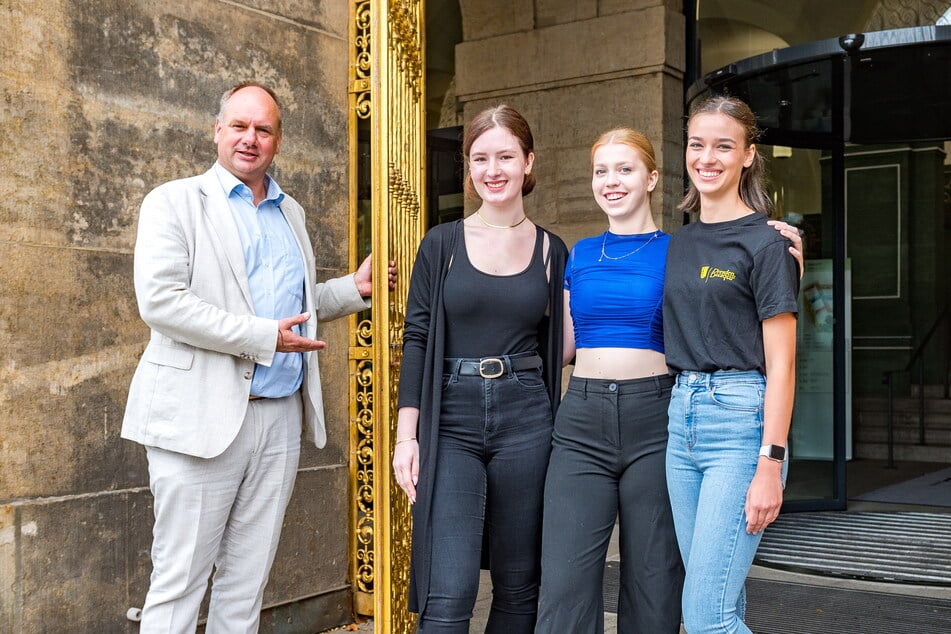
point(916, 357)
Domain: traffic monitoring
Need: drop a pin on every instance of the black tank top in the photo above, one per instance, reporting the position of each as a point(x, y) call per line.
point(490, 315)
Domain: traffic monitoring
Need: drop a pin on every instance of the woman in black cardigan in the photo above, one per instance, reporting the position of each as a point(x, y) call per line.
point(479, 385)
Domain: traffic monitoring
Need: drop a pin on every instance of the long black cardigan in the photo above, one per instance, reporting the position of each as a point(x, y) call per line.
point(425, 321)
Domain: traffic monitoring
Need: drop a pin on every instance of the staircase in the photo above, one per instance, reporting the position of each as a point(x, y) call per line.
point(870, 427)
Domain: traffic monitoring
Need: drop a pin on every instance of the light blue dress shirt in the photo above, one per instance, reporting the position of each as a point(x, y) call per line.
point(275, 269)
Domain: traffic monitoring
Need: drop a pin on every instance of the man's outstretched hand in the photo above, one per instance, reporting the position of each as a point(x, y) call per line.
point(290, 341)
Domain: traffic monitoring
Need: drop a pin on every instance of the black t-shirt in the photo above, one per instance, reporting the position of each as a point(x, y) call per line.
point(724, 279)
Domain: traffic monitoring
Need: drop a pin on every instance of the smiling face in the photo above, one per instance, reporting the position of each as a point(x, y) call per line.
point(716, 154)
point(498, 166)
point(621, 182)
point(248, 135)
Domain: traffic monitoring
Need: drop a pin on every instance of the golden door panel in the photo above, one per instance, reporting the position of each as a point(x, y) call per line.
point(387, 136)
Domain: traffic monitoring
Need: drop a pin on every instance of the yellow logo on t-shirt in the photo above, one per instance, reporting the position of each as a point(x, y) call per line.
point(708, 273)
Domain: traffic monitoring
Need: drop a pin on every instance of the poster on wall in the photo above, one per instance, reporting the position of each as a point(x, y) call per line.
point(813, 428)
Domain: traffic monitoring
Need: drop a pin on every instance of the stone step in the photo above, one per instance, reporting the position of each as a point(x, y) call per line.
point(931, 391)
point(938, 406)
point(907, 453)
point(904, 435)
point(900, 419)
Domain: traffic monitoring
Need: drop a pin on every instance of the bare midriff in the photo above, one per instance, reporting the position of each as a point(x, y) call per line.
point(618, 363)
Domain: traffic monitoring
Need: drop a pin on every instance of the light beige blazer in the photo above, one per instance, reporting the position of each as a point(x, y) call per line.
point(190, 391)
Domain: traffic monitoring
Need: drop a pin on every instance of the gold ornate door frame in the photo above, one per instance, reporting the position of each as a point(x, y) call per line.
point(387, 145)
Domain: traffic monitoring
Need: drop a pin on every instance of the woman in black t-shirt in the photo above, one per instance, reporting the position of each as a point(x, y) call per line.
point(730, 302)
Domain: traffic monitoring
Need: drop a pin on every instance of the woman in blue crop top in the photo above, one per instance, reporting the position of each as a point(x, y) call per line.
point(610, 434)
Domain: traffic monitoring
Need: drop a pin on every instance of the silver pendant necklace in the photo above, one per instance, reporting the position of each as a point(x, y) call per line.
point(604, 241)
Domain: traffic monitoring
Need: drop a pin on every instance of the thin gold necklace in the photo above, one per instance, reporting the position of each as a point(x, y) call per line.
point(489, 224)
point(605, 255)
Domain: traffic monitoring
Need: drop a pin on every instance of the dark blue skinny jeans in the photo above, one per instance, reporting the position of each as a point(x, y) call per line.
point(494, 443)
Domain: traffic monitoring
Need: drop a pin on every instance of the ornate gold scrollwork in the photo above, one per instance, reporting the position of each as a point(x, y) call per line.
point(391, 73)
point(404, 214)
point(360, 66)
point(404, 40)
point(361, 416)
point(406, 198)
point(362, 420)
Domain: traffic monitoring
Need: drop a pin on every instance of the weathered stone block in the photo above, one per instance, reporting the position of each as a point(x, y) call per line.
point(327, 16)
point(551, 12)
point(312, 558)
point(489, 18)
point(565, 53)
point(610, 7)
point(71, 330)
point(306, 616)
point(9, 588)
point(335, 384)
point(84, 562)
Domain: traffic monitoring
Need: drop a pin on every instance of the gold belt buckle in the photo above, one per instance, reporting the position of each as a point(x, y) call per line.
point(494, 375)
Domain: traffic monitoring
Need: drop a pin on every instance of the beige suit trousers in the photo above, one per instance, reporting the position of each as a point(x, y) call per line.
point(225, 512)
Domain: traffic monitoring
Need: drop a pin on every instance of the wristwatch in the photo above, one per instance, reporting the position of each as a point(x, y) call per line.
point(773, 452)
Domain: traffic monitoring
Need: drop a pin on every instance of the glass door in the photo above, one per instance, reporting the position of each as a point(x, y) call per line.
point(802, 183)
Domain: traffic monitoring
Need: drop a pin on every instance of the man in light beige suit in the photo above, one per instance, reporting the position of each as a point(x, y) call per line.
point(224, 278)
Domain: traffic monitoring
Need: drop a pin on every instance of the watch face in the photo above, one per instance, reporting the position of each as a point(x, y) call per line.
point(777, 453)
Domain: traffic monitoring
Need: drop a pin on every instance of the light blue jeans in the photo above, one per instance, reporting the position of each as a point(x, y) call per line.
point(715, 432)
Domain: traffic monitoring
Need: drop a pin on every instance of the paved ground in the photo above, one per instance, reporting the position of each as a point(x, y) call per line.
point(481, 611)
point(610, 624)
point(869, 473)
point(362, 626)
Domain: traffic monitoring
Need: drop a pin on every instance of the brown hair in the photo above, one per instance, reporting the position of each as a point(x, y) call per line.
point(752, 186)
point(633, 139)
point(248, 84)
point(500, 116)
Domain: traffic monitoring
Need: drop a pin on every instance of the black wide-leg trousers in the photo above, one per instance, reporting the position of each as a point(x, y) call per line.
point(608, 452)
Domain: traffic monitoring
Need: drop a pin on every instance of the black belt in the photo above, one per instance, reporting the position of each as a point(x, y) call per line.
point(492, 367)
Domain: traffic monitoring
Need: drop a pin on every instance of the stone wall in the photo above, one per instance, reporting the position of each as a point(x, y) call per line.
point(101, 101)
point(575, 68)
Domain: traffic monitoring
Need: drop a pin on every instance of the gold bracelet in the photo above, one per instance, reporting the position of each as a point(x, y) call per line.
point(404, 440)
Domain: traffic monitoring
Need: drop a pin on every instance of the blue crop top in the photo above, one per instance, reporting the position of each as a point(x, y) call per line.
point(617, 287)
